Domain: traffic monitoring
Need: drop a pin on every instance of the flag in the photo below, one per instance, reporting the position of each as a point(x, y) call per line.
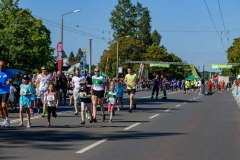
point(140, 72)
point(59, 56)
point(84, 61)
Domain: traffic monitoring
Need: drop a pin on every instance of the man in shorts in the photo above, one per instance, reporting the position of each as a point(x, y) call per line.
point(131, 81)
point(5, 75)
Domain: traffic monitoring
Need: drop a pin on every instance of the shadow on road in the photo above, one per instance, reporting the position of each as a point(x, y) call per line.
point(48, 139)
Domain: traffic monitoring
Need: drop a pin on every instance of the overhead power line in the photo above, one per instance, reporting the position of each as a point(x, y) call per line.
point(214, 24)
point(219, 6)
point(57, 25)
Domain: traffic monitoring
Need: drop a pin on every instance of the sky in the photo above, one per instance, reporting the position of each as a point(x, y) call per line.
point(187, 28)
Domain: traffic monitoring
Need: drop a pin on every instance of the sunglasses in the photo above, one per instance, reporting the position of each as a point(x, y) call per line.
point(96, 71)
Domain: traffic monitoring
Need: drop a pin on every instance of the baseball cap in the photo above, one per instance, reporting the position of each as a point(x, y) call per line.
point(25, 77)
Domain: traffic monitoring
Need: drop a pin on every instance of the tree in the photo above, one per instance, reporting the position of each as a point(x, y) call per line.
point(64, 55)
point(145, 28)
point(123, 19)
point(24, 41)
point(129, 49)
point(234, 56)
point(157, 53)
point(79, 55)
point(156, 37)
point(6, 4)
point(71, 56)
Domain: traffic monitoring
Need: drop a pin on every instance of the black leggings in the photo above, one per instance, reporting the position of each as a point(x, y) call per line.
point(52, 110)
point(155, 89)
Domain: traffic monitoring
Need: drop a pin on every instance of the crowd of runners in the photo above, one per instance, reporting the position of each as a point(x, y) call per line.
point(46, 91)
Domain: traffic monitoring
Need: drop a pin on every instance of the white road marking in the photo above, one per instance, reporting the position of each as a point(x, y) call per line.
point(184, 103)
point(91, 146)
point(194, 98)
point(154, 116)
point(178, 105)
point(134, 125)
point(167, 110)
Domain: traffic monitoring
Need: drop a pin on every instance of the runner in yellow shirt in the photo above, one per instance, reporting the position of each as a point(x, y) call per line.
point(131, 82)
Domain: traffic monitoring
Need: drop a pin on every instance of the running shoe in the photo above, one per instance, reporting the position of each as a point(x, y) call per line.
point(54, 114)
point(29, 126)
point(20, 125)
point(94, 120)
point(130, 110)
point(83, 122)
point(76, 113)
point(44, 114)
point(3, 123)
point(7, 124)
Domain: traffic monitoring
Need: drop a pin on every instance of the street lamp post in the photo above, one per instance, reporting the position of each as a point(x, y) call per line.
point(117, 42)
point(77, 10)
point(117, 62)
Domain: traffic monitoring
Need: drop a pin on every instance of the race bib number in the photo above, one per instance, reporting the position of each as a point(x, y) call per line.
point(82, 94)
point(23, 92)
point(112, 100)
point(51, 98)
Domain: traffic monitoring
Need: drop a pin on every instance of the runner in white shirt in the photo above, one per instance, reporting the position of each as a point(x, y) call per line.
point(43, 80)
point(98, 90)
point(76, 81)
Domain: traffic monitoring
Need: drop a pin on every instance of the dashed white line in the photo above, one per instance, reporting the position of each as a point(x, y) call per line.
point(154, 116)
point(134, 125)
point(91, 146)
point(184, 103)
point(167, 110)
point(178, 105)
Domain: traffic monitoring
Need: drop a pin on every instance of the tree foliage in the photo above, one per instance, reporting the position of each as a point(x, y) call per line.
point(128, 49)
point(145, 28)
point(123, 19)
point(134, 22)
point(156, 37)
point(24, 40)
point(233, 57)
point(79, 55)
point(71, 56)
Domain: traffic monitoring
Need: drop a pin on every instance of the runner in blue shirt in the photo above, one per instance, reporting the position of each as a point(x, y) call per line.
point(5, 75)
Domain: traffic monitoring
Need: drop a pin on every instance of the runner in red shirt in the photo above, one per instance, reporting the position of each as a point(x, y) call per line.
point(223, 85)
point(210, 87)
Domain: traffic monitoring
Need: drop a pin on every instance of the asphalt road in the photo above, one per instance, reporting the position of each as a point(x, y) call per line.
point(184, 127)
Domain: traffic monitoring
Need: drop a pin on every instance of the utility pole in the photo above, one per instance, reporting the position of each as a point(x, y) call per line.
point(90, 56)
